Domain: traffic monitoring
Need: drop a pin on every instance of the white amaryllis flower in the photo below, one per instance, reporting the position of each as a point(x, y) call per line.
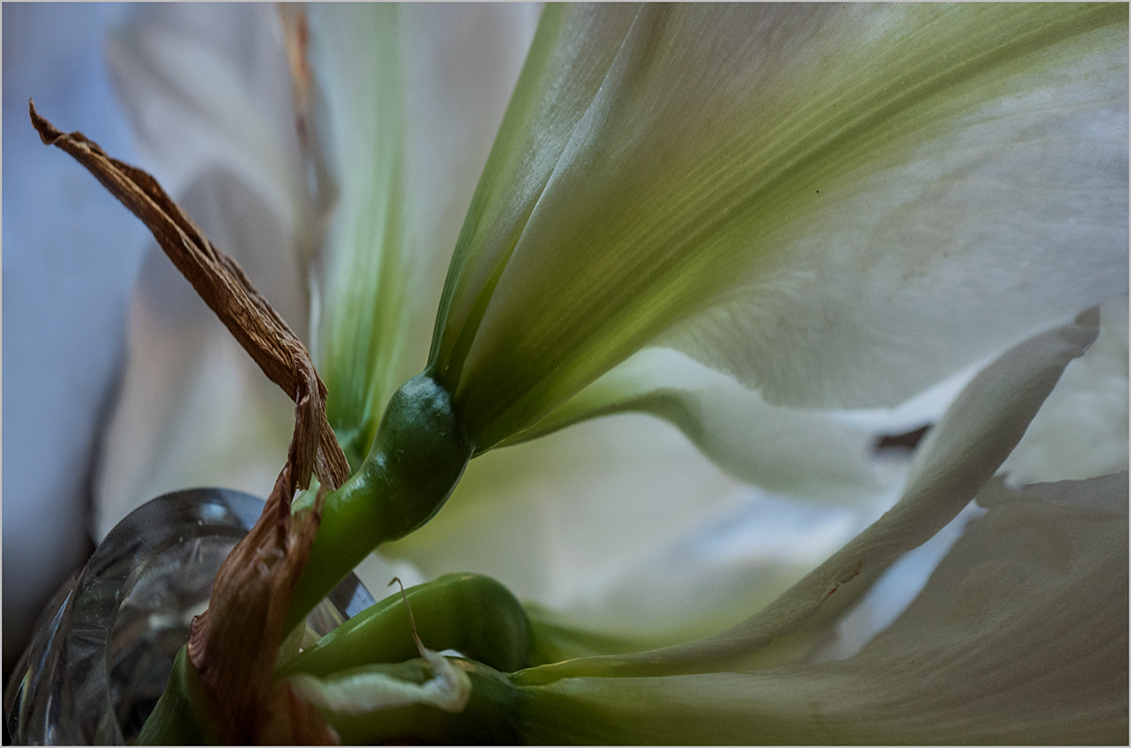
point(576, 491)
point(840, 207)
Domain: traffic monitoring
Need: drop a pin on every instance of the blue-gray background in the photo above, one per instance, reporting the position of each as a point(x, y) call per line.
point(70, 256)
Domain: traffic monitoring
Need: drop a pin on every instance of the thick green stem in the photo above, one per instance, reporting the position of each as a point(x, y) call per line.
point(179, 718)
point(417, 457)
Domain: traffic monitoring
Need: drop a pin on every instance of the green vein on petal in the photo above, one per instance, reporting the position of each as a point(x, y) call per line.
point(408, 101)
point(357, 57)
point(568, 59)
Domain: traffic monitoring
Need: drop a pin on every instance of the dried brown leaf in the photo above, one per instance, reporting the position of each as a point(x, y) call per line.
point(233, 645)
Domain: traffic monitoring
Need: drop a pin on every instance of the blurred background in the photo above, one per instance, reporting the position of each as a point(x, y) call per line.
point(70, 257)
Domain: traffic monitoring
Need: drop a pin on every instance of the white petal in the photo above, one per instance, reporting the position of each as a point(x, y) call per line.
point(1019, 637)
point(728, 561)
point(801, 453)
point(553, 518)
point(208, 91)
point(758, 186)
point(958, 457)
point(194, 409)
point(369, 689)
point(552, 522)
point(1081, 430)
point(611, 526)
point(979, 213)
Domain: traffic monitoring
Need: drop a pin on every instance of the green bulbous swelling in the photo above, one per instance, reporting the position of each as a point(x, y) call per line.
point(423, 448)
point(417, 457)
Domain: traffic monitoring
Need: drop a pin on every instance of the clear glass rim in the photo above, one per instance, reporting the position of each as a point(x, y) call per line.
point(71, 643)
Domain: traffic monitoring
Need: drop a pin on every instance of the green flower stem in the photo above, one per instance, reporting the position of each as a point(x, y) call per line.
point(472, 614)
point(417, 457)
point(180, 716)
point(416, 460)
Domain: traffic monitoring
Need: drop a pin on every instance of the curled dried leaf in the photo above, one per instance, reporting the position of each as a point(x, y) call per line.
point(234, 644)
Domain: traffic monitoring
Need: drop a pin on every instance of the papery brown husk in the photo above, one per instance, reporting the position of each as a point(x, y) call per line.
point(234, 644)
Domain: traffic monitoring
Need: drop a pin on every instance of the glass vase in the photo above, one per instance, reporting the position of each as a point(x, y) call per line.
point(103, 648)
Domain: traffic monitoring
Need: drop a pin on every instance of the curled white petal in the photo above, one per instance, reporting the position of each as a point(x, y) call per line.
point(1081, 430)
point(802, 453)
point(975, 435)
